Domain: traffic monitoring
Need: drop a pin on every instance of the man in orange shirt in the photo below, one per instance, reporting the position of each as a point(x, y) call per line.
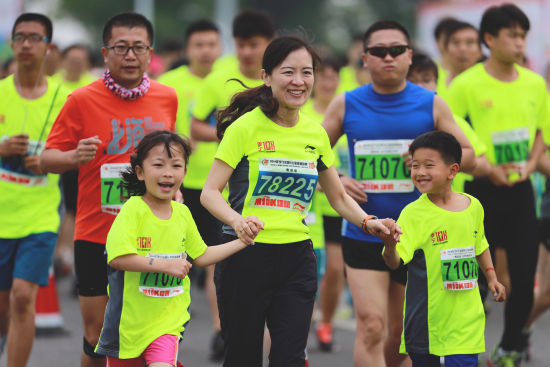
point(95, 132)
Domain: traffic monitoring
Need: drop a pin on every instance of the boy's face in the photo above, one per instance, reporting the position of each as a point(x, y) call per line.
point(509, 44)
point(203, 48)
point(423, 78)
point(430, 173)
point(463, 49)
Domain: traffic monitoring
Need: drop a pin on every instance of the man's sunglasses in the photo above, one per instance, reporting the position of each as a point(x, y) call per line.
point(381, 52)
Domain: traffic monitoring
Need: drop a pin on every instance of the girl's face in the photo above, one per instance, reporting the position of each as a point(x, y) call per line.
point(291, 81)
point(163, 175)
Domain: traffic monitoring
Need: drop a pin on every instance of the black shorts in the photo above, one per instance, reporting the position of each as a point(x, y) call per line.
point(544, 232)
point(69, 182)
point(333, 229)
point(368, 255)
point(209, 227)
point(90, 264)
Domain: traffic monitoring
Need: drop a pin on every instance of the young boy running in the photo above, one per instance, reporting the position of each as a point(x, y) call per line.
point(443, 242)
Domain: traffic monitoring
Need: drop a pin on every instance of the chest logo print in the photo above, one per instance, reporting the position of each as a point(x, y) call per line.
point(266, 146)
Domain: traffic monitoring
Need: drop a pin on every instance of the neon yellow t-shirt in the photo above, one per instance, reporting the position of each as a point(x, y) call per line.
point(341, 158)
point(275, 172)
point(29, 202)
point(477, 145)
point(215, 93)
point(187, 86)
point(504, 115)
point(348, 80)
point(443, 313)
point(226, 61)
point(85, 79)
point(144, 306)
point(442, 75)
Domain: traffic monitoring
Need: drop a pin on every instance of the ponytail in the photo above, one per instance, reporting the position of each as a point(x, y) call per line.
point(244, 102)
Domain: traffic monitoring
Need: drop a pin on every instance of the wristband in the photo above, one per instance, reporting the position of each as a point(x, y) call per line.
point(151, 261)
point(489, 268)
point(364, 222)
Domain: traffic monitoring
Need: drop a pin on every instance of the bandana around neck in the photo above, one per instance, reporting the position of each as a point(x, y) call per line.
point(125, 93)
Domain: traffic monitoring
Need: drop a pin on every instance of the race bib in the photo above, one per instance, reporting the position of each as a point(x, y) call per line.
point(113, 194)
point(459, 268)
point(13, 170)
point(285, 184)
point(380, 167)
point(511, 149)
point(161, 285)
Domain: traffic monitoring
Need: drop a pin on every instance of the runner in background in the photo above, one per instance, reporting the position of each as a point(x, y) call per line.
point(95, 132)
point(506, 105)
point(29, 104)
point(327, 80)
point(252, 32)
point(440, 40)
point(353, 74)
point(462, 49)
point(378, 137)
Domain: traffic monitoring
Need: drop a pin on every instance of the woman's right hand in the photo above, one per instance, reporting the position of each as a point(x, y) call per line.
point(248, 228)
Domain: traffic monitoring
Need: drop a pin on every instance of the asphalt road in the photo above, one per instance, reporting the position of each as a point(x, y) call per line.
point(64, 350)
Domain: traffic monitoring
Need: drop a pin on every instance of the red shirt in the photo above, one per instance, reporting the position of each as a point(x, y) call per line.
point(120, 125)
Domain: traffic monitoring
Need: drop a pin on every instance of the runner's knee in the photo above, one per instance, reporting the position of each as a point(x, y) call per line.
point(371, 327)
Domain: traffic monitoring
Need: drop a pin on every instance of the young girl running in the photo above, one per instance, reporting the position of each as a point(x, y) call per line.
point(147, 250)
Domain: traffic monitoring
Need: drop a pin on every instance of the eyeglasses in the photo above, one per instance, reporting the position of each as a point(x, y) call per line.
point(33, 38)
point(381, 52)
point(123, 49)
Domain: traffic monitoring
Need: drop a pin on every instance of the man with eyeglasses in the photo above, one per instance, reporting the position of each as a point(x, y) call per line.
point(29, 104)
point(380, 120)
point(96, 132)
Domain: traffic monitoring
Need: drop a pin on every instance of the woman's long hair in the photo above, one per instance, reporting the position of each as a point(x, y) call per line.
point(261, 96)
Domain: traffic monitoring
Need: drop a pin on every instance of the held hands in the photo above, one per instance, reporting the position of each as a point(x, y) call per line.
point(353, 189)
point(386, 229)
point(178, 268)
point(86, 149)
point(498, 291)
point(248, 228)
point(15, 145)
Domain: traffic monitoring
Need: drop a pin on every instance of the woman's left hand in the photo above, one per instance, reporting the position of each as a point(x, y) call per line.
point(384, 228)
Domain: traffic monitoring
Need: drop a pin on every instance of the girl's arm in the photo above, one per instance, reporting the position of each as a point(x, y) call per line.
point(350, 210)
point(214, 254)
point(134, 262)
point(212, 199)
point(486, 264)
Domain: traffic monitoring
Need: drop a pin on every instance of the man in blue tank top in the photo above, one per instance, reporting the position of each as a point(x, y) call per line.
point(380, 120)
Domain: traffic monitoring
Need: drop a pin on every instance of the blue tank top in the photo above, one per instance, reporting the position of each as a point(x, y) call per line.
point(380, 127)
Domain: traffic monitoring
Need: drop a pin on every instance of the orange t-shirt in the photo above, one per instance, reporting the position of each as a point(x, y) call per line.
point(120, 125)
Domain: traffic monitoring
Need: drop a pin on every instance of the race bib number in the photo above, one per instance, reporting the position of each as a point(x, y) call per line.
point(380, 167)
point(113, 194)
point(459, 268)
point(285, 184)
point(161, 285)
point(511, 148)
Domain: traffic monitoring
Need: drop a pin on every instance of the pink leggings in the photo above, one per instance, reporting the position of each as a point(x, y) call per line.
point(162, 349)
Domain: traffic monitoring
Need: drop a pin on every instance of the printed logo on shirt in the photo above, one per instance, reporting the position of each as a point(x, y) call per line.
point(439, 238)
point(488, 103)
point(128, 133)
point(310, 149)
point(267, 201)
point(266, 146)
point(144, 243)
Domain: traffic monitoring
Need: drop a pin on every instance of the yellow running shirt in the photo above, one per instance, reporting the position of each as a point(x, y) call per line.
point(85, 79)
point(145, 306)
point(28, 202)
point(276, 172)
point(443, 313)
point(505, 115)
point(215, 93)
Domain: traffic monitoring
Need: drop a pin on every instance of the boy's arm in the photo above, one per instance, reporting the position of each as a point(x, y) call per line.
point(390, 255)
point(214, 254)
point(486, 264)
point(134, 262)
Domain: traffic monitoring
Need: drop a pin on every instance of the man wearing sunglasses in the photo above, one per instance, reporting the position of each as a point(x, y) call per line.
point(29, 104)
point(380, 120)
point(96, 132)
